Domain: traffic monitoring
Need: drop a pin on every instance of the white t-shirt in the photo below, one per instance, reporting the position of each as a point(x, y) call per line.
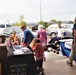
point(60, 32)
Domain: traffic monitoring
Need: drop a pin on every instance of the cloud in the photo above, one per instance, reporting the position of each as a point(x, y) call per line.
point(58, 9)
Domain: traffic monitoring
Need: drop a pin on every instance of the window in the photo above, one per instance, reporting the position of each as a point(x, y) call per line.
point(7, 25)
point(2, 26)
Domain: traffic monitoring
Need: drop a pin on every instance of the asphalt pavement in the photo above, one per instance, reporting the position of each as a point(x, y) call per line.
point(55, 64)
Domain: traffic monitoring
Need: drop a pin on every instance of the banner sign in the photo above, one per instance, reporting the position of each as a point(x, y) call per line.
point(68, 44)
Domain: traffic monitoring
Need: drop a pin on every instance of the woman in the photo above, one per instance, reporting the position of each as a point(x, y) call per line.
point(42, 35)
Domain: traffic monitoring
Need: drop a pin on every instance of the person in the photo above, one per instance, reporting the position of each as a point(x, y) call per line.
point(42, 35)
point(73, 49)
point(29, 27)
point(14, 39)
point(28, 36)
point(54, 42)
point(59, 34)
point(39, 49)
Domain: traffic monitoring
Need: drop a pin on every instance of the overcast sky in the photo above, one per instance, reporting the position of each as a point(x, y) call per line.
point(10, 10)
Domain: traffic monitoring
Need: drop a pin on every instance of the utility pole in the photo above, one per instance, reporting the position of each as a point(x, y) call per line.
point(8, 21)
point(40, 11)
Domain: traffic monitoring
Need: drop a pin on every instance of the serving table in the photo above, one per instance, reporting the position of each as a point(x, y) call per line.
point(65, 47)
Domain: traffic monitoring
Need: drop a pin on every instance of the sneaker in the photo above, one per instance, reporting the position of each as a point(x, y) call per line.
point(70, 64)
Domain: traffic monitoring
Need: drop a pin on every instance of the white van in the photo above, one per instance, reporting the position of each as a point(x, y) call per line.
point(2, 27)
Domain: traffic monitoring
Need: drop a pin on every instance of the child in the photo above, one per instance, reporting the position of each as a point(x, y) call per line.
point(14, 40)
point(39, 50)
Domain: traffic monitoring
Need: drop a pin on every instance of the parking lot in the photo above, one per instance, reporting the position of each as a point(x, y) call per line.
point(55, 64)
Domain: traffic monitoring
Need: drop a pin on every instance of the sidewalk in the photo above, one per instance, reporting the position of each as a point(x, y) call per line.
point(55, 64)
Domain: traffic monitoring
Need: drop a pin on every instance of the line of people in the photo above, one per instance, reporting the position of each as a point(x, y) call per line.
point(39, 44)
point(41, 34)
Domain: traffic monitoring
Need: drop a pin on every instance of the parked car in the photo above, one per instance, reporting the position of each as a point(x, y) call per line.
point(19, 33)
point(2, 27)
point(66, 28)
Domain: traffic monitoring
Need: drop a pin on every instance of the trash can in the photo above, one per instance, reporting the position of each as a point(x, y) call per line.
point(21, 65)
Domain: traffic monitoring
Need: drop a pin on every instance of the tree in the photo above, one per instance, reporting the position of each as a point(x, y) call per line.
point(71, 22)
point(21, 21)
point(16, 24)
point(41, 22)
point(59, 21)
point(21, 18)
point(45, 24)
point(53, 20)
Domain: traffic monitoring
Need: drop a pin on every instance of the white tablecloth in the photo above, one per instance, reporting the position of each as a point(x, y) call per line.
point(68, 43)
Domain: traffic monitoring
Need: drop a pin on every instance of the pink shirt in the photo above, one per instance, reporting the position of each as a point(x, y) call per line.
point(42, 35)
point(39, 50)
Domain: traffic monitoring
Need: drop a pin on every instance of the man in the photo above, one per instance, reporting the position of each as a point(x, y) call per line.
point(54, 42)
point(28, 36)
point(73, 51)
point(59, 34)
